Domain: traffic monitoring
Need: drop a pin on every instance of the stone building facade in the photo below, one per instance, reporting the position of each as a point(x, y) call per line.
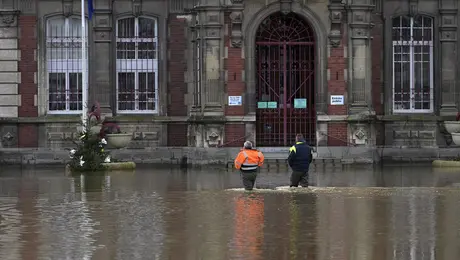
point(209, 73)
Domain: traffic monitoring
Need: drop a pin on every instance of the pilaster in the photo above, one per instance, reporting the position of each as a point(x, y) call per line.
point(360, 88)
point(448, 10)
point(210, 23)
point(101, 63)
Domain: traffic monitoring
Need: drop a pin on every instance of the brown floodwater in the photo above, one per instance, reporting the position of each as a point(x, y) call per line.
point(399, 212)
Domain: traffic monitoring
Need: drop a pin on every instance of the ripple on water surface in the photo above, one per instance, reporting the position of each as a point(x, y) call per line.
point(163, 215)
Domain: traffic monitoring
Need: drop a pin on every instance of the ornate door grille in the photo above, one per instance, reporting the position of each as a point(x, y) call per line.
point(285, 53)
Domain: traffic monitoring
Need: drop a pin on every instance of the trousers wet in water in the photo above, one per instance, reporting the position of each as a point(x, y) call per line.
point(249, 179)
point(298, 177)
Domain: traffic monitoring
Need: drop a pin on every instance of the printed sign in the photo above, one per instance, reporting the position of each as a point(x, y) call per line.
point(235, 100)
point(261, 105)
point(337, 100)
point(272, 104)
point(300, 103)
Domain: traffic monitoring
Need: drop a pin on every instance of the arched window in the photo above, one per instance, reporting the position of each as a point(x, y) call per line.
point(413, 64)
point(137, 65)
point(63, 64)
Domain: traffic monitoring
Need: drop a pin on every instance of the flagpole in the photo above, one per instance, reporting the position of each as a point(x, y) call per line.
point(84, 70)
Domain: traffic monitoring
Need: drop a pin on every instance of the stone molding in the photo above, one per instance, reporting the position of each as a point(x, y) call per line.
point(336, 16)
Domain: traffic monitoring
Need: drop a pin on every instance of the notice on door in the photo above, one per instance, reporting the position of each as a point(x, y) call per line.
point(235, 100)
point(337, 100)
point(272, 104)
point(300, 103)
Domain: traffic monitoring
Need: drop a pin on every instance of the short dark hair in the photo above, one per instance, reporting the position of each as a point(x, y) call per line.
point(299, 137)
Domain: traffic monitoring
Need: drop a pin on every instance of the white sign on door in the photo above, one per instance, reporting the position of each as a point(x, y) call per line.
point(337, 100)
point(235, 100)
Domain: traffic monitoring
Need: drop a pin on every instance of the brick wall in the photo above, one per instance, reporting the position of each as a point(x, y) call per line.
point(234, 65)
point(177, 135)
point(177, 88)
point(234, 135)
point(377, 62)
point(337, 63)
point(27, 66)
point(337, 134)
point(28, 133)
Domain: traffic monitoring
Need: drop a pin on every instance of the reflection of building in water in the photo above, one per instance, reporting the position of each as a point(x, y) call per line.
point(66, 226)
point(413, 226)
point(448, 225)
point(303, 222)
point(30, 218)
point(332, 227)
point(248, 238)
point(10, 219)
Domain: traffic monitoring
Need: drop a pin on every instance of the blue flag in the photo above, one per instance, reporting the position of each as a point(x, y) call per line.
point(90, 9)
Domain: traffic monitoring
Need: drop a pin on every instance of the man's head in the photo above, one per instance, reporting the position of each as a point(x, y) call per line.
point(247, 145)
point(299, 138)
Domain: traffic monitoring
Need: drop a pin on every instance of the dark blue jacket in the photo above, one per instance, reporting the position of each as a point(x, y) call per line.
point(300, 157)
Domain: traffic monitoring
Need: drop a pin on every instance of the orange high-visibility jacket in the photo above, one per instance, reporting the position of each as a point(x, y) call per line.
point(249, 159)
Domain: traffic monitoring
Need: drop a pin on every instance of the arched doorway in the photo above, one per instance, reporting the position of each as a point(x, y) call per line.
point(285, 80)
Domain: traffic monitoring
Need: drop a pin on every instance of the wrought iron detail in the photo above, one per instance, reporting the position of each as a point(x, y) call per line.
point(283, 28)
point(137, 65)
point(285, 51)
point(63, 64)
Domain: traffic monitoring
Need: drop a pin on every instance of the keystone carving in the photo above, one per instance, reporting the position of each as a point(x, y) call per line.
point(236, 31)
point(67, 8)
point(137, 8)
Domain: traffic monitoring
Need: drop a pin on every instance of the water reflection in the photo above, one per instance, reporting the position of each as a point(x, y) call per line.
point(248, 227)
point(169, 214)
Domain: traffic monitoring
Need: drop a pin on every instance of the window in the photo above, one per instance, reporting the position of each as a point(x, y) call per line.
point(413, 64)
point(63, 56)
point(137, 65)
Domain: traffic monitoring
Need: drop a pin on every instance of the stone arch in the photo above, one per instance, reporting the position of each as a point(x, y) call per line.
point(321, 42)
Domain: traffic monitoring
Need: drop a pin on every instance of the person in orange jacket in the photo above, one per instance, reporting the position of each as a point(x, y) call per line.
point(248, 162)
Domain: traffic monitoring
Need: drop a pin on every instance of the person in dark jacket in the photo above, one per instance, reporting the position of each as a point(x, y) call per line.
point(300, 157)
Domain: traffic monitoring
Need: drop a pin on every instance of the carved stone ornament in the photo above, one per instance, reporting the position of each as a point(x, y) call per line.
point(336, 9)
point(334, 38)
point(8, 19)
point(236, 29)
point(7, 139)
point(214, 136)
point(360, 136)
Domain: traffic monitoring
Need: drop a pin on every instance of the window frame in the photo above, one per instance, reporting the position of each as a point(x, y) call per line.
point(412, 44)
point(137, 65)
point(65, 66)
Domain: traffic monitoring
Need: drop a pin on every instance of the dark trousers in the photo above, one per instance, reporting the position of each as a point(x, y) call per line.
point(299, 177)
point(249, 179)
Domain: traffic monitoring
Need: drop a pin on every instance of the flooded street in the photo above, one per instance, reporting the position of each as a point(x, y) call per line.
point(391, 213)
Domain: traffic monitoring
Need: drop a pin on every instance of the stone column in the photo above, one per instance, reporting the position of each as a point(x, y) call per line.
point(210, 22)
point(359, 19)
point(101, 85)
point(448, 53)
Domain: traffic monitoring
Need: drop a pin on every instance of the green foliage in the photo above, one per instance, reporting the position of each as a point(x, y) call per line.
point(89, 155)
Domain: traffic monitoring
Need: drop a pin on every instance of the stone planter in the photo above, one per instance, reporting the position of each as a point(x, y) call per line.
point(452, 126)
point(118, 140)
point(456, 138)
point(448, 164)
